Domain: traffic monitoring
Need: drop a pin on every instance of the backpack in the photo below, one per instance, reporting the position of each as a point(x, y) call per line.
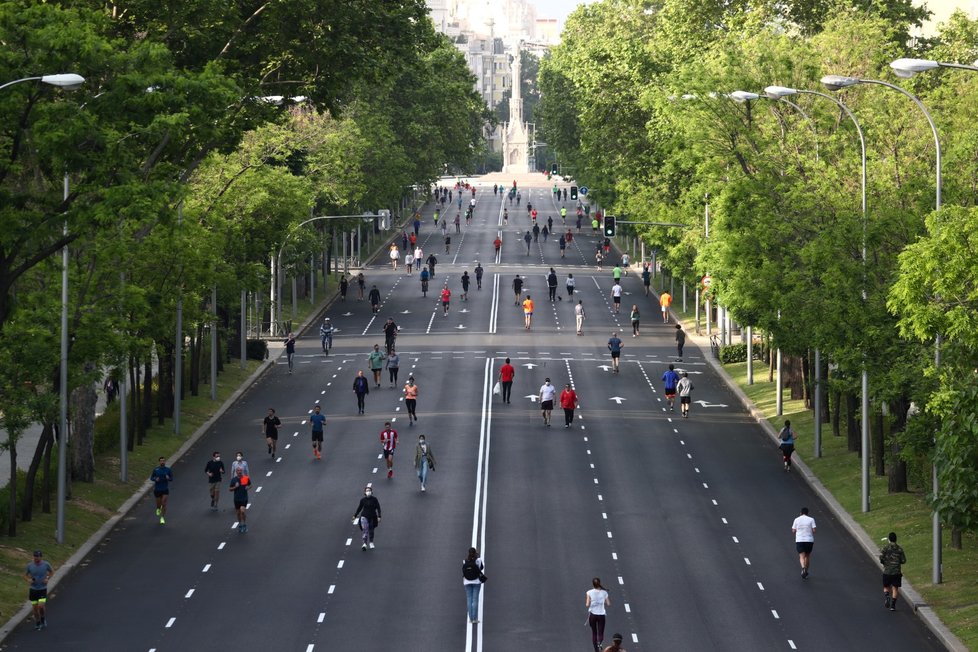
point(470, 570)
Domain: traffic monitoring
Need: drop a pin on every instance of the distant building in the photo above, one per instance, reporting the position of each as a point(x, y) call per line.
point(942, 10)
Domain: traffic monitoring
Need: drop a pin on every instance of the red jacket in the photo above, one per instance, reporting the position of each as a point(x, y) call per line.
point(568, 399)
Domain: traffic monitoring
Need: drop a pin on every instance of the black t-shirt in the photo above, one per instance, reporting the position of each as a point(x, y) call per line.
point(240, 490)
point(390, 330)
point(214, 470)
point(552, 280)
point(517, 285)
point(465, 281)
point(271, 426)
point(375, 296)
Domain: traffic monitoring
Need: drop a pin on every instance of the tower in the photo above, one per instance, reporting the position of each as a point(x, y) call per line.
point(515, 136)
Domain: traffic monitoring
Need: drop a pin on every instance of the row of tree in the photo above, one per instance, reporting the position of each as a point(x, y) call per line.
point(638, 95)
point(203, 134)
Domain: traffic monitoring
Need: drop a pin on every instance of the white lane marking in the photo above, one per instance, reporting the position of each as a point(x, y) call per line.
point(589, 451)
point(585, 439)
point(324, 391)
point(760, 586)
point(791, 644)
point(688, 456)
point(706, 486)
point(189, 593)
point(234, 525)
point(696, 468)
point(604, 515)
point(628, 608)
point(724, 520)
point(310, 647)
point(621, 580)
point(267, 475)
point(248, 506)
point(592, 466)
point(278, 460)
point(614, 556)
point(322, 617)
point(170, 622)
point(735, 540)
point(609, 534)
point(332, 587)
point(634, 637)
point(349, 541)
point(258, 490)
point(340, 564)
point(379, 455)
point(287, 446)
point(600, 497)
point(595, 481)
point(221, 545)
point(682, 442)
point(206, 568)
point(375, 470)
point(775, 614)
point(747, 561)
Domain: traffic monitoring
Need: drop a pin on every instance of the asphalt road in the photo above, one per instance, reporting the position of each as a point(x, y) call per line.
point(687, 521)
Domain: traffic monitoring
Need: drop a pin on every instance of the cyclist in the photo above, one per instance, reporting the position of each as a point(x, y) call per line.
point(326, 335)
point(424, 282)
point(432, 261)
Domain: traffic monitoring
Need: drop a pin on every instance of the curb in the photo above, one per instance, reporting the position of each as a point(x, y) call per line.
point(865, 541)
point(86, 548)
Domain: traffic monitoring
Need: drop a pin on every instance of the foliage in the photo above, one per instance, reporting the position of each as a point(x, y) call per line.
point(732, 353)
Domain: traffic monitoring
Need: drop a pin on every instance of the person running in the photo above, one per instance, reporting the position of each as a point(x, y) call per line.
point(446, 299)
point(458, 223)
point(527, 312)
point(361, 286)
point(892, 557)
point(563, 214)
point(326, 335)
point(546, 396)
point(568, 401)
point(376, 361)
point(684, 387)
point(269, 429)
point(395, 255)
point(615, 346)
point(803, 528)
point(550, 223)
point(518, 289)
point(596, 600)
point(594, 226)
point(161, 477)
point(432, 261)
point(579, 316)
point(424, 460)
point(615, 644)
point(465, 285)
point(497, 243)
point(448, 243)
point(786, 443)
point(571, 285)
point(680, 341)
point(478, 275)
point(607, 248)
point(409, 262)
point(536, 232)
point(290, 350)
point(506, 375)
point(636, 318)
point(616, 295)
point(665, 300)
point(418, 257)
point(444, 228)
point(239, 463)
point(388, 442)
point(318, 421)
point(390, 334)
point(367, 516)
point(423, 277)
point(214, 470)
point(615, 272)
point(598, 257)
point(239, 486)
point(472, 574)
point(670, 379)
point(374, 300)
point(411, 400)
point(552, 284)
point(527, 238)
point(393, 365)
point(646, 278)
point(545, 231)
point(38, 574)
point(625, 261)
point(344, 286)
point(361, 388)
point(562, 244)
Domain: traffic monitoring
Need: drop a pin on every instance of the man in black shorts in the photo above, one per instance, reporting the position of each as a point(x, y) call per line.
point(38, 573)
point(892, 557)
point(161, 477)
point(239, 486)
point(214, 470)
point(518, 289)
point(614, 345)
point(270, 430)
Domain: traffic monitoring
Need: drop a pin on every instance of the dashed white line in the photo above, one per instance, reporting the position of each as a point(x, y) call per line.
point(775, 614)
point(258, 490)
point(688, 456)
point(609, 534)
point(600, 497)
point(628, 608)
point(791, 644)
point(614, 556)
point(747, 561)
point(634, 637)
point(595, 481)
point(322, 617)
point(332, 587)
point(170, 622)
point(724, 520)
point(621, 580)
point(221, 545)
point(189, 593)
point(206, 568)
point(604, 515)
point(268, 474)
point(310, 647)
point(735, 539)
point(760, 586)
point(340, 564)
point(706, 486)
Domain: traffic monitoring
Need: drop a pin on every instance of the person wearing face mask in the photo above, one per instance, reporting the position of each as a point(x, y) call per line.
point(424, 460)
point(367, 516)
point(239, 463)
point(215, 473)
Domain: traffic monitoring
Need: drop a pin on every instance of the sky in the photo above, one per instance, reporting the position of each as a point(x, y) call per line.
point(558, 9)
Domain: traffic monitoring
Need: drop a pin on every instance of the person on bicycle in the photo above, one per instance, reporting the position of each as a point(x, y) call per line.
point(326, 335)
point(432, 261)
point(424, 282)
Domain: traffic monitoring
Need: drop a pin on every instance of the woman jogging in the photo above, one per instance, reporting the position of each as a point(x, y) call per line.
point(787, 444)
point(596, 601)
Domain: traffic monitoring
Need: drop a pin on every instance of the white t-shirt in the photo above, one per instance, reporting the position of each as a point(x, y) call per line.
point(684, 385)
point(598, 598)
point(804, 527)
point(418, 253)
point(547, 392)
point(616, 291)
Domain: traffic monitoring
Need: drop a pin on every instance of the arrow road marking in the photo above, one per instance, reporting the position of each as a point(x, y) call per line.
point(604, 367)
point(617, 399)
point(708, 405)
point(532, 397)
point(529, 365)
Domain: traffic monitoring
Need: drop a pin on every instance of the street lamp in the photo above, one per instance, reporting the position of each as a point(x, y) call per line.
point(907, 68)
point(68, 81)
point(838, 82)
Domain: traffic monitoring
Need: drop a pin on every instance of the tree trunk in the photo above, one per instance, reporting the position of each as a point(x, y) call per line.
point(196, 344)
point(879, 448)
point(165, 380)
point(852, 424)
point(836, 412)
point(771, 363)
point(147, 411)
point(825, 403)
point(27, 508)
point(956, 538)
point(12, 511)
point(81, 443)
point(897, 477)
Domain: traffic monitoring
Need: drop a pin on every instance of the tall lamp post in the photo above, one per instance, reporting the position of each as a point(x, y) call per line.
point(69, 82)
point(838, 82)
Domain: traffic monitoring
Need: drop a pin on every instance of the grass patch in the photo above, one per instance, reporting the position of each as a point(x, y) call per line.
point(956, 599)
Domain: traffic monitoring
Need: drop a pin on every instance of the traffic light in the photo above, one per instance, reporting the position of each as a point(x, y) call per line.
point(553, 169)
point(574, 193)
point(609, 226)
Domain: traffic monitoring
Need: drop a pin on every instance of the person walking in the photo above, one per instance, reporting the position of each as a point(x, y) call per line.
point(680, 341)
point(597, 600)
point(615, 644)
point(786, 443)
point(446, 300)
point(568, 401)
point(161, 477)
point(892, 557)
point(367, 517)
point(458, 223)
point(326, 335)
point(579, 316)
point(376, 361)
point(411, 400)
point(536, 232)
point(270, 426)
point(616, 295)
point(448, 243)
point(388, 442)
point(665, 300)
point(518, 289)
point(390, 334)
point(424, 460)
point(393, 363)
point(669, 381)
point(546, 397)
point(38, 574)
point(318, 422)
point(527, 312)
point(615, 345)
point(374, 297)
point(562, 244)
point(214, 470)
point(684, 387)
point(466, 280)
point(239, 487)
point(344, 286)
point(409, 262)
point(506, 375)
point(239, 463)
point(290, 350)
point(527, 238)
point(571, 285)
point(479, 271)
point(803, 528)
point(418, 257)
point(361, 286)
point(635, 317)
point(552, 284)
point(646, 278)
point(361, 388)
point(472, 573)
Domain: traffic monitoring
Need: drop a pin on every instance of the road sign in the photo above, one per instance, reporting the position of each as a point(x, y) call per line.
point(582, 190)
point(707, 281)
